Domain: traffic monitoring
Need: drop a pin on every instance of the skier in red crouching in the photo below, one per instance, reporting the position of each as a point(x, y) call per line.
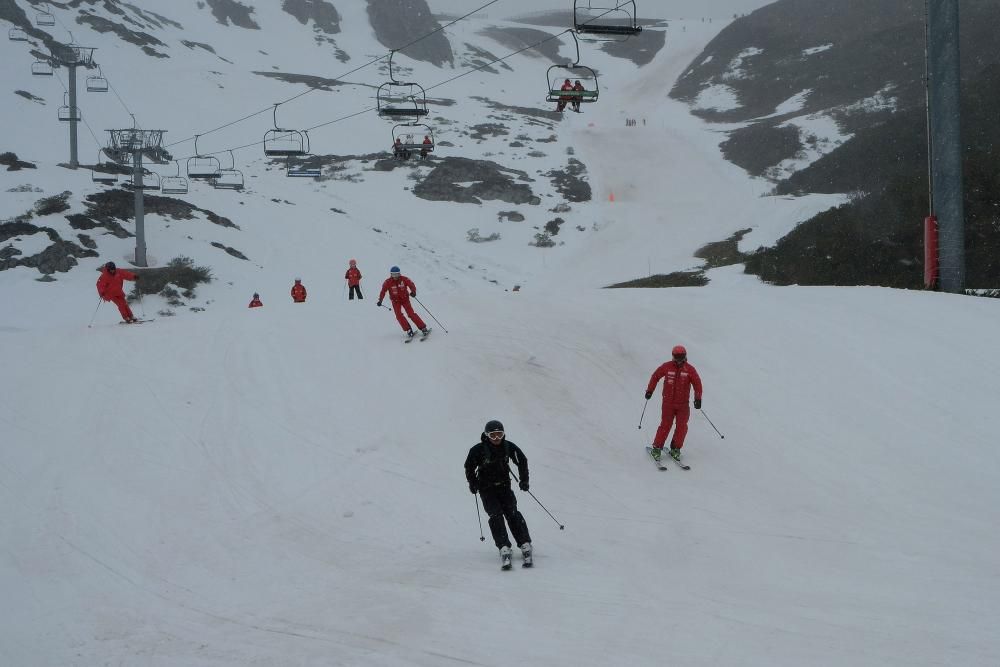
point(109, 286)
point(400, 289)
point(678, 377)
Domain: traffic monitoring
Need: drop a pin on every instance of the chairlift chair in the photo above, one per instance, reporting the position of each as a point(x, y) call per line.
point(202, 167)
point(616, 22)
point(17, 35)
point(45, 19)
point(99, 174)
point(150, 181)
point(399, 100)
point(97, 83)
point(68, 113)
point(229, 179)
point(411, 137)
point(41, 68)
point(587, 77)
point(396, 100)
point(174, 185)
point(279, 142)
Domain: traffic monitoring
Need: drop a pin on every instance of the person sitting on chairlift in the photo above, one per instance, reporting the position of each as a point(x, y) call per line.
point(427, 145)
point(576, 100)
point(398, 151)
point(563, 99)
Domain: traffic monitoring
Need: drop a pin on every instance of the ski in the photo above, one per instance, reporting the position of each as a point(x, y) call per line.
point(660, 465)
point(424, 336)
point(679, 464)
point(137, 321)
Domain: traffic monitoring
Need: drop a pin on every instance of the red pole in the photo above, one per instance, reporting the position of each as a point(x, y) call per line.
point(931, 252)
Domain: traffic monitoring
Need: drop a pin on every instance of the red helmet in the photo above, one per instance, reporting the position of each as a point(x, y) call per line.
point(679, 352)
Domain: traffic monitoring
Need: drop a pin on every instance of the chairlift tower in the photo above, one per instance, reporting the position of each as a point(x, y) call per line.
point(125, 146)
point(72, 56)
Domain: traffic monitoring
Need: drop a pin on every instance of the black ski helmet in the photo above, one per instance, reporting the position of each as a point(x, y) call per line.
point(110, 266)
point(493, 425)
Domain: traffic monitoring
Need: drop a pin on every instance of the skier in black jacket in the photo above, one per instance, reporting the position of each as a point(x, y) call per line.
point(487, 473)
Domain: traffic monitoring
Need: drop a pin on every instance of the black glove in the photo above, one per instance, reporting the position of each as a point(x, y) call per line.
point(473, 488)
point(697, 404)
point(649, 395)
point(413, 294)
point(523, 485)
point(378, 303)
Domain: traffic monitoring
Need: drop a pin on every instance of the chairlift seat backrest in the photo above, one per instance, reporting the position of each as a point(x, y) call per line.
point(97, 84)
point(45, 19)
point(203, 167)
point(174, 185)
point(41, 68)
point(17, 35)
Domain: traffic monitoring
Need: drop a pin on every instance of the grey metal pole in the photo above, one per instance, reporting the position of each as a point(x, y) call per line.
point(140, 222)
point(73, 111)
point(944, 77)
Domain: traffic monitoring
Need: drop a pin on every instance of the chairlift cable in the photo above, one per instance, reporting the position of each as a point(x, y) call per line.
point(338, 77)
point(436, 85)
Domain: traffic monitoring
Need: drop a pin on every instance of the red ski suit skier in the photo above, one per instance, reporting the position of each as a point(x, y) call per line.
point(109, 286)
point(400, 290)
point(298, 292)
point(677, 382)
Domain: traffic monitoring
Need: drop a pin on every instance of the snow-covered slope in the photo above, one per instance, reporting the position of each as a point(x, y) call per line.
point(284, 485)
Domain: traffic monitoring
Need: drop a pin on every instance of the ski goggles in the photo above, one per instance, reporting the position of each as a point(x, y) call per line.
point(495, 435)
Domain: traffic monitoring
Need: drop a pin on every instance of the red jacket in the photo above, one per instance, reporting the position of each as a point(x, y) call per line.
point(677, 382)
point(255, 303)
point(298, 292)
point(353, 276)
point(109, 285)
point(399, 290)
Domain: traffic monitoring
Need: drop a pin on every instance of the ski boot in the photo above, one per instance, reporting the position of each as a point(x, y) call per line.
point(505, 554)
point(526, 554)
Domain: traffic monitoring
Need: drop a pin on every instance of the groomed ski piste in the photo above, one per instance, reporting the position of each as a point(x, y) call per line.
point(284, 486)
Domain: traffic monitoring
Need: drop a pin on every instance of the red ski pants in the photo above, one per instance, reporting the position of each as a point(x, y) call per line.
point(123, 307)
point(398, 308)
point(670, 412)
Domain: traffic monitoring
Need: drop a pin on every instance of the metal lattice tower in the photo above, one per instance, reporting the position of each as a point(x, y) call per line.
point(128, 147)
point(72, 56)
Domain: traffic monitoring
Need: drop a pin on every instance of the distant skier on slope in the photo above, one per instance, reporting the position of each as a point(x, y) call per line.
point(255, 302)
point(678, 378)
point(400, 289)
point(109, 286)
point(298, 291)
point(487, 473)
point(353, 278)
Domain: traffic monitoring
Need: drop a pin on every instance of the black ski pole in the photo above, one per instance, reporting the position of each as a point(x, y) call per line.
point(643, 413)
point(710, 422)
point(561, 527)
point(94, 316)
point(480, 517)
point(431, 314)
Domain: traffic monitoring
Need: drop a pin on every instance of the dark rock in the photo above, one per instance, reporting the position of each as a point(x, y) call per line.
point(226, 11)
point(323, 14)
point(570, 183)
point(517, 38)
point(10, 161)
point(552, 226)
point(490, 181)
point(513, 216)
point(232, 251)
point(28, 96)
point(396, 22)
